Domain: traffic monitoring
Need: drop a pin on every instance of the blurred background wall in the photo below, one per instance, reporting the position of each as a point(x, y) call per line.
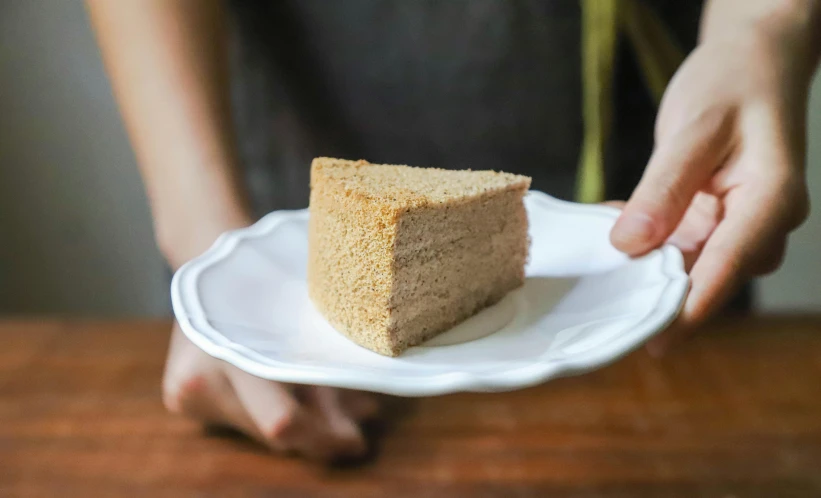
point(75, 233)
point(75, 230)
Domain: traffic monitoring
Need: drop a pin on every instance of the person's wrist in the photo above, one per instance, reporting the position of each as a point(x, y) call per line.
point(786, 36)
point(180, 242)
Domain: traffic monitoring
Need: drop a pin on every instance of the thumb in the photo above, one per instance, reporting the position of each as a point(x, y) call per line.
point(680, 166)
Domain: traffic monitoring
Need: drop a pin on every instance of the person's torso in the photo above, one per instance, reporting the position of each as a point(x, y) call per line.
point(480, 84)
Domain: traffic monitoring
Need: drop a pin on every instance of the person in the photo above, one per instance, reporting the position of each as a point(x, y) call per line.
point(226, 104)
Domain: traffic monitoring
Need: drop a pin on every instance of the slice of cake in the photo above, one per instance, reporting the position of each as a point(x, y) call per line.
point(399, 254)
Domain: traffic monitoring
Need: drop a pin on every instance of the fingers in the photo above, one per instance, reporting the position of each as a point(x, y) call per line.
point(359, 405)
point(329, 409)
point(195, 385)
point(320, 426)
point(680, 166)
point(770, 259)
point(709, 296)
point(614, 204)
point(749, 241)
point(700, 220)
point(188, 373)
point(320, 430)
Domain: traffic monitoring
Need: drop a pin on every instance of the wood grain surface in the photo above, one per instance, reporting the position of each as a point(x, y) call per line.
point(734, 413)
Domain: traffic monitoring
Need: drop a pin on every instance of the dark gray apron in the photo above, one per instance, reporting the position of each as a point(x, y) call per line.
point(481, 84)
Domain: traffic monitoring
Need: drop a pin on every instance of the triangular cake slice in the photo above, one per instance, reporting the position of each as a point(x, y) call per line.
point(398, 254)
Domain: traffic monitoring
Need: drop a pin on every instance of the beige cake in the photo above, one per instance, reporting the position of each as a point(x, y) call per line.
point(399, 254)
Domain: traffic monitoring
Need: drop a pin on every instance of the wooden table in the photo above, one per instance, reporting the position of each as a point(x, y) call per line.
point(735, 413)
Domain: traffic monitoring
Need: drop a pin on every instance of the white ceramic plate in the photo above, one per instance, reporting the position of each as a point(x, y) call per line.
point(583, 305)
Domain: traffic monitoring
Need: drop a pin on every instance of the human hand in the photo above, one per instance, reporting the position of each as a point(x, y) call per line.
point(726, 180)
point(320, 423)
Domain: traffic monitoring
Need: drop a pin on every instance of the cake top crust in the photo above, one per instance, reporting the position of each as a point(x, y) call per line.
point(402, 186)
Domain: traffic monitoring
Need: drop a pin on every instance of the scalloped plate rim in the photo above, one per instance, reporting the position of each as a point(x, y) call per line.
point(519, 375)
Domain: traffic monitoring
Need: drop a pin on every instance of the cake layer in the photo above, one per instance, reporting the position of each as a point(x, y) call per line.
point(350, 264)
point(452, 272)
point(405, 187)
point(398, 254)
point(440, 316)
point(452, 262)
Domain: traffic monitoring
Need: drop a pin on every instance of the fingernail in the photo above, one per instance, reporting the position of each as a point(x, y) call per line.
point(632, 229)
